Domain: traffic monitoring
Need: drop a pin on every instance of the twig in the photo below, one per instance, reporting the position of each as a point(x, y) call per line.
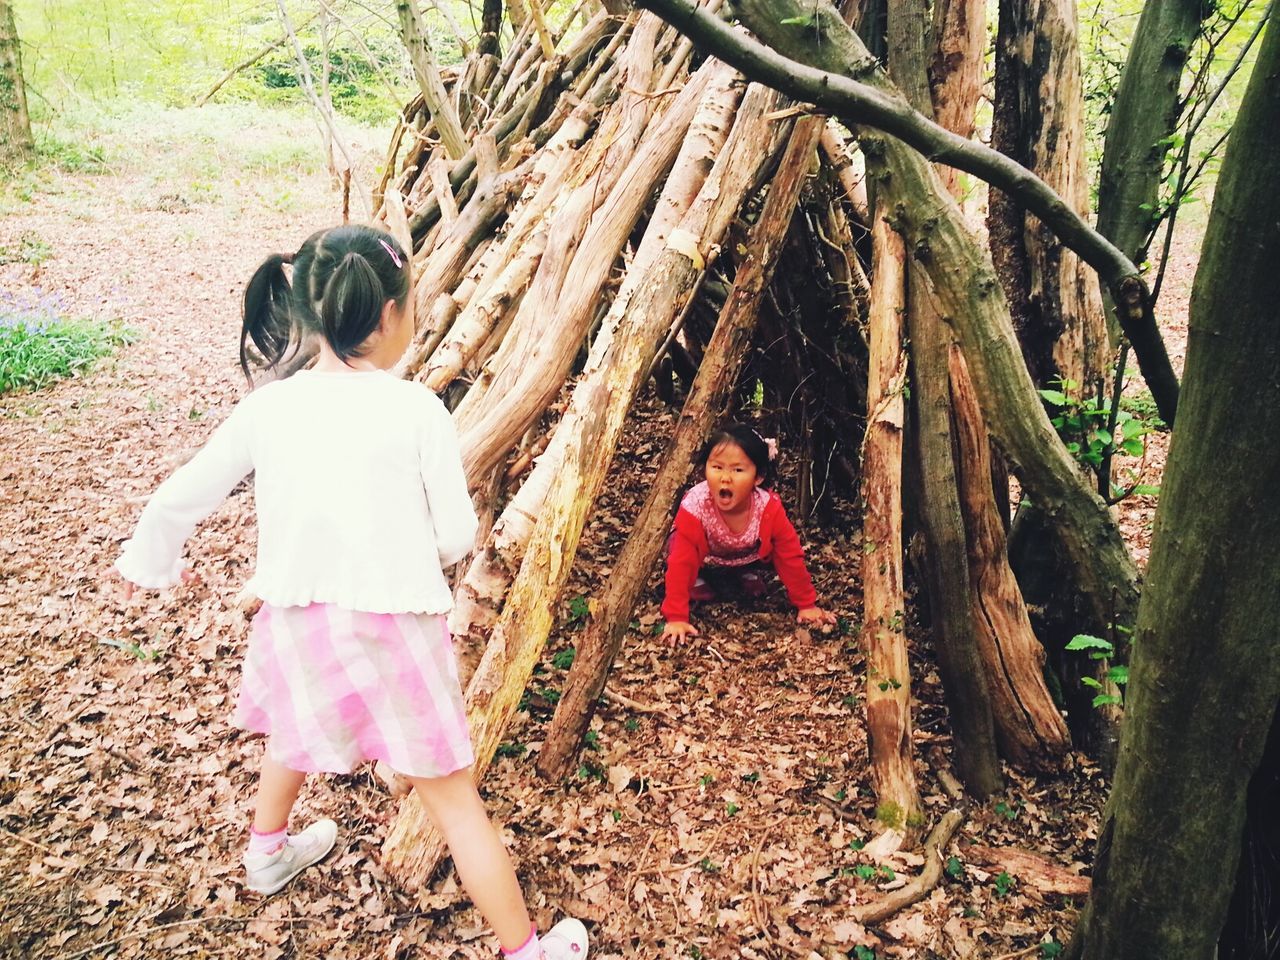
point(1025, 951)
point(625, 701)
point(916, 890)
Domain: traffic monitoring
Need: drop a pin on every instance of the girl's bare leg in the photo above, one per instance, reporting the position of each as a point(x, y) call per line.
point(456, 809)
point(278, 788)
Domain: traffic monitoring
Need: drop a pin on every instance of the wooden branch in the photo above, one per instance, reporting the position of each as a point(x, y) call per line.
point(917, 889)
point(433, 92)
point(246, 64)
point(877, 103)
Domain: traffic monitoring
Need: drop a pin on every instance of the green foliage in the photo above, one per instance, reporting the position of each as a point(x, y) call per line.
point(592, 740)
point(1008, 811)
point(731, 809)
point(173, 51)
point(1093, 433)
point(890, 814)
point(30, 249)
point(579, 610)
point(1004, 884)
point(1050, 949)
point(512, 748)
point(1100, 649)
point(954, 868)
point(39, 343)
point(863, 953)
point(563, 659)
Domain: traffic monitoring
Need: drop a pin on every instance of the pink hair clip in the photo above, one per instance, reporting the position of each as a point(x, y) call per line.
point(772, 445)
point(395, 257)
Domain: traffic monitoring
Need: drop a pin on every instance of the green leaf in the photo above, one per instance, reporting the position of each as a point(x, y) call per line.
point(954, 868)
point(1082, 641)
point(798, 21)
point(1090, 682)
point(1105, 698)
point(1119, 675)
point(1133, 447)
point(1147, 489)
point(1103, 435)
point(1056, 397)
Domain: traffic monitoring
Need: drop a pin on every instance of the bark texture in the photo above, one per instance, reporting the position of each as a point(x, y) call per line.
point(1205, 677)
point(1038, 120)
point(1145, 112)
point(15, 124)
point(884, 639)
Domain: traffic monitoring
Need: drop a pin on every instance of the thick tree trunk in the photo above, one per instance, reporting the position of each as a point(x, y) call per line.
point(725, 354)
point(884, 639)
point(1030, 728)
point(964, 675)
point(1054, 298)
point(1146, 111)
point(15, 124)
point(1205, 676)
point(859, 94)
point(947, 562)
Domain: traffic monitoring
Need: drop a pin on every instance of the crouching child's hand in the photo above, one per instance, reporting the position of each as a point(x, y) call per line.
point(676, 631)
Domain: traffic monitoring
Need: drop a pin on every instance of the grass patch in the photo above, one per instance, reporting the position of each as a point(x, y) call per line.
point(38, 344)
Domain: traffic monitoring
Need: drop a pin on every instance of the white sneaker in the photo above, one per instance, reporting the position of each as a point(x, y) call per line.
point(267, 872)
point(567, 940)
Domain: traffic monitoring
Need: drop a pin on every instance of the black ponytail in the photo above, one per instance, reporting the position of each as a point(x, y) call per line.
point(341, 279)
point(351, 306)
point(268, 318)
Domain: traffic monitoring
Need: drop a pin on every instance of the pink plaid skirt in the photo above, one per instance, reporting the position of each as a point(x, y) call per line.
point(333, 688)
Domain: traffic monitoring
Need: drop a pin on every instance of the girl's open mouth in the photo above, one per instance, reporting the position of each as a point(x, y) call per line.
point(724, 495)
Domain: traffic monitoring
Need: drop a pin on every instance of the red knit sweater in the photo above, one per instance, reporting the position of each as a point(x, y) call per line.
point(779, 544)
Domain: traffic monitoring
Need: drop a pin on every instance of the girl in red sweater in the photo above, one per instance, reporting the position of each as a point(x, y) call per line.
point(730, 524)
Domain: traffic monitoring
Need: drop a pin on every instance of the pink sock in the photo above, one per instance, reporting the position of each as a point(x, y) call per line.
point(527, 950)
point(267, 842)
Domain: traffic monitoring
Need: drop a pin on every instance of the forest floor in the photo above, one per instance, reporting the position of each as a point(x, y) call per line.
point(731, 818)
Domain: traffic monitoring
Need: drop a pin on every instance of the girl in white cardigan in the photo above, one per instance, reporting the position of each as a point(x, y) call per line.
point(361, 502)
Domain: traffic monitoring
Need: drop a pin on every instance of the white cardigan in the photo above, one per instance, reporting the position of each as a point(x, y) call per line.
point(359, 488)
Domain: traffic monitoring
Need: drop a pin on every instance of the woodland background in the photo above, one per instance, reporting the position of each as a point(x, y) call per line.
point(722, 804)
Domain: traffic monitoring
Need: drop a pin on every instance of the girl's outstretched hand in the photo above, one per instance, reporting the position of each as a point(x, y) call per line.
point(675, 632)
point(824, 619)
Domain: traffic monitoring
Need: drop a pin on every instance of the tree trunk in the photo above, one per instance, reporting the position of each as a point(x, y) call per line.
point(964, 675)
point(428, 74)
point(15, 124)
point(946, 562)
point(884, 640)
point(1038, 120)
point(1145, 112)
point(413, 848)
point(1030, 728)
point(955, 70)
point(722, 362)
point(1205, 676)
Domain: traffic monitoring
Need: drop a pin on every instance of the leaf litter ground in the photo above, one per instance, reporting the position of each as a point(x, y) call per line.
point(730, 818)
